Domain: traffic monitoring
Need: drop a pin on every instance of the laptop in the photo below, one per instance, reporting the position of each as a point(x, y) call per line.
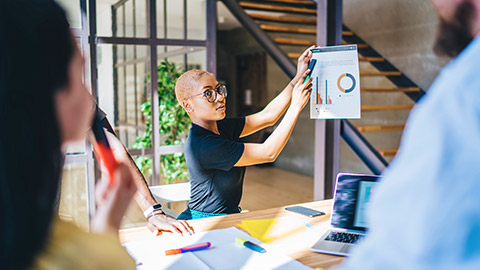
point(351, 199)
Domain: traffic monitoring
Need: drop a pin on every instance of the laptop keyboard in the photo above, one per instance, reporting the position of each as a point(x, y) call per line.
point(344, 237)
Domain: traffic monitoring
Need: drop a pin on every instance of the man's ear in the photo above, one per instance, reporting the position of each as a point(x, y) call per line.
point(187, 107)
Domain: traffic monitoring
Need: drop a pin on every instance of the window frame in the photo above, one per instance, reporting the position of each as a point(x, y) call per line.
point(90, 42)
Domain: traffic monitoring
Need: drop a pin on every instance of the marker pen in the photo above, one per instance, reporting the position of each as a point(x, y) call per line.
point(310, 67)
point(188, 249)
point(242, 242)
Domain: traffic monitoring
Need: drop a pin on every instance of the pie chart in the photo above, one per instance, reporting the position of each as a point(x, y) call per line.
point(346, 75)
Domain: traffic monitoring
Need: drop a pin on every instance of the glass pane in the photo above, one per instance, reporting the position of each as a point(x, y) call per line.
point(129, 19)
point(123, 83)
point(196, 19)
point(72, 8)
point(76, 148)
point(171, 19)
point(197, 58)
point(175, 19)
point(73, 200)
point(174, 54)
point(161, 17)
point(141, 18)
point(120, 93)
point(173, 169)
point(185, 58)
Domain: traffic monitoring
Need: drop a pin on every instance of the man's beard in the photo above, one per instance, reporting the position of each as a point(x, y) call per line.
point(454, 36)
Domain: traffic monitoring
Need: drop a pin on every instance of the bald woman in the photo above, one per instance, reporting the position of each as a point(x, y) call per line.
point(216, 158)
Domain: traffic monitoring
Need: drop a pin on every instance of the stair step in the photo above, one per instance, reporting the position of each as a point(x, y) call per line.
point(376, 128)
point(392, 89)
point(262, 17)
point(287, 41)
point(268, 7)
point(371, 59)
point(304, 42)
point(386, 107)
point(387, 152)
point(283, 29)
point(380, 73)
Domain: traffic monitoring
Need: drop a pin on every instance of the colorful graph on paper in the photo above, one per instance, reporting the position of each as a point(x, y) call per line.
point(336, 93)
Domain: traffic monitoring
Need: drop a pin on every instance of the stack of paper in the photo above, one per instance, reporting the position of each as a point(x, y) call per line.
point(223, 254)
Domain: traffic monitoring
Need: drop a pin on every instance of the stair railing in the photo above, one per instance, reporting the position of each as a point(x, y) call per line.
point(385, 65)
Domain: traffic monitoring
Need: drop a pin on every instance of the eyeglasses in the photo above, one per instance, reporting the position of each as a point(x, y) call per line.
point(211, 94)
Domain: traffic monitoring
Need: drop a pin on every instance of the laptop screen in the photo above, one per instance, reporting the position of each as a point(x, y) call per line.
point(352, 199)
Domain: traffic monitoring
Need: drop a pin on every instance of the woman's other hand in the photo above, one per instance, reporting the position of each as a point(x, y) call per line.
point(303, 62)
point(301, 91)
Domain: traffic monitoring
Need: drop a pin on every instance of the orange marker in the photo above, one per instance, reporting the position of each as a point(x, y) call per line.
point(102, 148)
point(188, 249)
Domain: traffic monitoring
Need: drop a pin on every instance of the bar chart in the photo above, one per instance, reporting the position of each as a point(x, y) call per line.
point(319, 100)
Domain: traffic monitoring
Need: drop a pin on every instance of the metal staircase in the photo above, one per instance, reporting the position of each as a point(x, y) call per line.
point(291, 26)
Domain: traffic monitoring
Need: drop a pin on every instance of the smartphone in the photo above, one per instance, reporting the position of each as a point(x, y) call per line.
point(305, 211)
point(310, 66)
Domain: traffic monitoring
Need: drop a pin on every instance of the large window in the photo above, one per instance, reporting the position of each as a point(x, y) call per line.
point(123, 42)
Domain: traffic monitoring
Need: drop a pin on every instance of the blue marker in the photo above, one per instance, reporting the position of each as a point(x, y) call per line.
point(310, 66)
point(242, 242)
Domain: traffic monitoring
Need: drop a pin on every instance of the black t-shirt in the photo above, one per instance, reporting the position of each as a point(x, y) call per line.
point(216, 186)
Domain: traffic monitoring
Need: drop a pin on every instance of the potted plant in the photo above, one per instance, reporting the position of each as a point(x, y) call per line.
point(174, 125)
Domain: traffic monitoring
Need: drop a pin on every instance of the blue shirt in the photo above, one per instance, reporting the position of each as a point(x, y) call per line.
point(425, 213)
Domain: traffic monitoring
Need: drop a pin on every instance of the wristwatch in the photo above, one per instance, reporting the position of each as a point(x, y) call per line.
point(156, 208)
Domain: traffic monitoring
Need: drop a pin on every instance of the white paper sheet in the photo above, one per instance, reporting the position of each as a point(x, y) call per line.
point(336, 83)
point(223, 254)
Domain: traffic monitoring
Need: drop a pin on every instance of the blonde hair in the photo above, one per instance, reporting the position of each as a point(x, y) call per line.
point(187, 83)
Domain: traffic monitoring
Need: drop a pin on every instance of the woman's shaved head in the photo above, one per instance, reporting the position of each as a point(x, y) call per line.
point(187, 83)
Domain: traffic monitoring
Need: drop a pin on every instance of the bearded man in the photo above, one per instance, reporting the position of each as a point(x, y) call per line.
point(425, 213)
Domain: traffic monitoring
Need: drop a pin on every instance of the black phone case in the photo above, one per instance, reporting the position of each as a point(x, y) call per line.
point(305, 211)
